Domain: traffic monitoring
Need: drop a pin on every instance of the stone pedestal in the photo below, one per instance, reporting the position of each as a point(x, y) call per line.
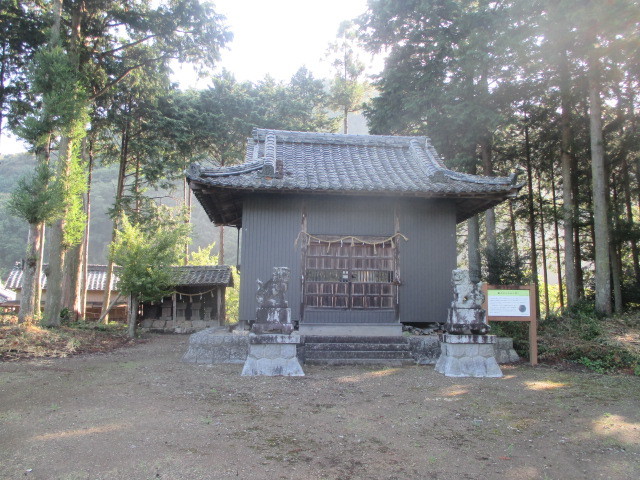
point(467, 321)
point(273, 355)
point(468, 356)
point(273, 320)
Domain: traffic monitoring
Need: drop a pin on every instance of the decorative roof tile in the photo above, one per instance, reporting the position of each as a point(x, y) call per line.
point(299, 162)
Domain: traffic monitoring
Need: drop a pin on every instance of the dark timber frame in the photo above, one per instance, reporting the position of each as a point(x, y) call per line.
point(350, 275)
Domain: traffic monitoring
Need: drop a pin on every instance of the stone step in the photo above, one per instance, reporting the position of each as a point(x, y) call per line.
point(352, 354)
point(352, 339)
point(342, 347)
point(361, 361)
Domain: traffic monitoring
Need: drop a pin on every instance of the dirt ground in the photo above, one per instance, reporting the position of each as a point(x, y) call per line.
point(139, 413)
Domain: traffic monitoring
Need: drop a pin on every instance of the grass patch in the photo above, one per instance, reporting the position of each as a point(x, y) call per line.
point(20, 341)
point(603, 345)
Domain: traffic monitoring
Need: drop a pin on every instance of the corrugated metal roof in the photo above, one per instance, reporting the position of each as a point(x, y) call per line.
point(97, 276)
point(298, 162)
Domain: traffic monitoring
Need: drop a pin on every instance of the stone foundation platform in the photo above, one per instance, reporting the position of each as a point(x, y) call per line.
point(273, 355)
point(468, 356)
point(217, 345)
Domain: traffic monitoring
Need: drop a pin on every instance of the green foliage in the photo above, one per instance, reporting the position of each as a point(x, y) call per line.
point(502, 267)
point(73, 184)
point(232, 298)
point(36, 199)
point(348, 88)
point(64, 101)
point(145, 254)
point(23, 32)
point(203, 256)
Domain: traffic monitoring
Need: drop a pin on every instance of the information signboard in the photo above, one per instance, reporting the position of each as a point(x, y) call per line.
point(509, 303)
point(514, 304)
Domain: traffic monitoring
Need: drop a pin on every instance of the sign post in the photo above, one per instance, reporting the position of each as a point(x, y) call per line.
point(509, 303)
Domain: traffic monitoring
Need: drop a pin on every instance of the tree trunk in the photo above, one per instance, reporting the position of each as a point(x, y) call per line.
point(29, 285)
point(57, 256)
point(473, 246)
point(614, 244)
point(543, 250)
point(134, 303)
point(57, 249)
point(631, 132)
point(599, 187)
point(635, 258)
point(37, 298)
point(106, 298)
point(46, 157)
point(557, 240)
point(568, 208)
point(514, 236)
point(577, 251)
point(187, 206)
point(74, 275)
point(532, 215)
point(490, 214)
point(60, 278)
point(87, 232)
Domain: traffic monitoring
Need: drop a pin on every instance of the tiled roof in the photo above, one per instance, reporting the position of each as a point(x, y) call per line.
point(6, 295)
point(297, 162)
point(97, 275)
point(203, 275)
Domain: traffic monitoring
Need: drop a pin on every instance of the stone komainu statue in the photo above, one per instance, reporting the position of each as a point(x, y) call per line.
point(272, 292)
point(466, 315)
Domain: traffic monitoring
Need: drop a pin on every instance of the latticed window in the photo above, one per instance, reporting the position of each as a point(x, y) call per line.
point(350, 275)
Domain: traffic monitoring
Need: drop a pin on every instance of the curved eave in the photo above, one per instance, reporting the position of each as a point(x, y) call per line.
point(223, 204)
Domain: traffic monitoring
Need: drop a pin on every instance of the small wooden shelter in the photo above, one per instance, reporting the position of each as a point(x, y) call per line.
point(366, 223)
point(197, 301)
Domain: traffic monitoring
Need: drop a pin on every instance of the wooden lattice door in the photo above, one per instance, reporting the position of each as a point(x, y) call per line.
point(348, 275)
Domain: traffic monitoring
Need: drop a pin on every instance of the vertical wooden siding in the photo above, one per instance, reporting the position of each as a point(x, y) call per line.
point(271, 224)
point(426, 260)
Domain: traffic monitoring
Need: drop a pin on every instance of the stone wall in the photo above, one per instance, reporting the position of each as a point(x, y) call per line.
point(216, 345)
point(164, 325)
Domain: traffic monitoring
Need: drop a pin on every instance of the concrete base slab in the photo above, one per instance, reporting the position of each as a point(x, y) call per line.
point(360, 330)
point(468, 360)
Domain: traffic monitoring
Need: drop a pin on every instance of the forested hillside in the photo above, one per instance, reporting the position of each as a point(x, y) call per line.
point(14, 230)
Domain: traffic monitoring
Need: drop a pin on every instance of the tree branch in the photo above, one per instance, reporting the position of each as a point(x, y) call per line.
point(122, 76)
point(128, 45)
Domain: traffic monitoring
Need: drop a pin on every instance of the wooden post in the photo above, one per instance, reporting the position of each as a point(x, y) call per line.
point(173, 309)
point(219, 305)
